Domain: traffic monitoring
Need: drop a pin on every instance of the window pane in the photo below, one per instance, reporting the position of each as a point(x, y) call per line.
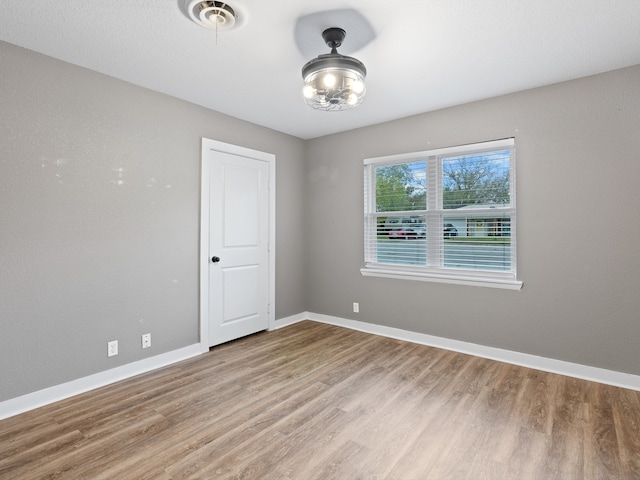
point(477, 243)
point(401, 187)
point(402, 240)
point(443, 215)
point(479, 179)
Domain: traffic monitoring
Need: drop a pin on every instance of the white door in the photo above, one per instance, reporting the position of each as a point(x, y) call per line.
point(238, 258)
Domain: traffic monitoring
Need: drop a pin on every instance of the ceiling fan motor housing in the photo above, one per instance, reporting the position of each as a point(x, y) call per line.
point(334, 81)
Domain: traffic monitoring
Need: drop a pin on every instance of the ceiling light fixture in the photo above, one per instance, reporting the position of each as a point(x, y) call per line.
point(333, 81)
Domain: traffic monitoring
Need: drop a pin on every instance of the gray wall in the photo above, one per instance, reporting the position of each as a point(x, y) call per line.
point(578, 225)
point(99, 222)
point(99, 219)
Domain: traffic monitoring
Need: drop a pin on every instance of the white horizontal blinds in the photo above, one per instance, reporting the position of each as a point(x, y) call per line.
point(434, 220)
point(477, 242)
point(370, 219)
point(477, 187)
point(400, 206)
point(449, 210)
point(401, 187)
point(476, 180)
point(402, 242)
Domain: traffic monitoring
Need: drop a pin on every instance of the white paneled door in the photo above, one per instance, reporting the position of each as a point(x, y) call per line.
point(239, 223)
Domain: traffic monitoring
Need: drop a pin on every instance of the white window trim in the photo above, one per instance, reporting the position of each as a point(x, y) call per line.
point(504, 280)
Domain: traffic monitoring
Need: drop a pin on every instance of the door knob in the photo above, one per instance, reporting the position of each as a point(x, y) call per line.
point(215, 259)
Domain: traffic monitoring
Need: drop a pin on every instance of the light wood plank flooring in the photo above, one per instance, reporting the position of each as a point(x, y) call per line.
point(318, 402)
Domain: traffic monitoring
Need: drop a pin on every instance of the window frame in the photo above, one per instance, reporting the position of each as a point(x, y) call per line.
point(434, 209)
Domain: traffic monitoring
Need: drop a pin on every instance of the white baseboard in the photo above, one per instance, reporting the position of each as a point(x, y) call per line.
point(594, 374)
point(283, 322)
point(46, 396)
point(30, 401)
point(40, 398)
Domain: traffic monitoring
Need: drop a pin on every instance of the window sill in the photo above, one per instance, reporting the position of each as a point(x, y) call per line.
point(475, 280)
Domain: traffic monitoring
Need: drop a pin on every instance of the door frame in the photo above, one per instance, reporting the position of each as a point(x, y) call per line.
point(207, 146)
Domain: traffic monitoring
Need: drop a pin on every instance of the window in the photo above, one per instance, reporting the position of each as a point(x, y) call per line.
point(445, 215)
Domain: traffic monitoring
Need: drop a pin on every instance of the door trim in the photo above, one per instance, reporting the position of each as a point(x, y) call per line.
point(207, 146)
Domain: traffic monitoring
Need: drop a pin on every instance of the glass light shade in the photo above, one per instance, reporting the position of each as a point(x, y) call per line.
point(334, 82)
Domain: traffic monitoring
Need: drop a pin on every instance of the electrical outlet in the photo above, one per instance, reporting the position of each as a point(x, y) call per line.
point(146, 340)
point(356, 307)
point(112, 348)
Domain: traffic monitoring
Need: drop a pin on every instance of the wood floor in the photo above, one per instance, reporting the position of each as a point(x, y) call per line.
point(318, 402)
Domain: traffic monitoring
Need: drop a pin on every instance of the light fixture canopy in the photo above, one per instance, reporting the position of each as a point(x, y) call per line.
point(333, 81)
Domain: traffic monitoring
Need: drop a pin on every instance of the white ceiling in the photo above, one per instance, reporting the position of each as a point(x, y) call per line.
point(421, 55)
